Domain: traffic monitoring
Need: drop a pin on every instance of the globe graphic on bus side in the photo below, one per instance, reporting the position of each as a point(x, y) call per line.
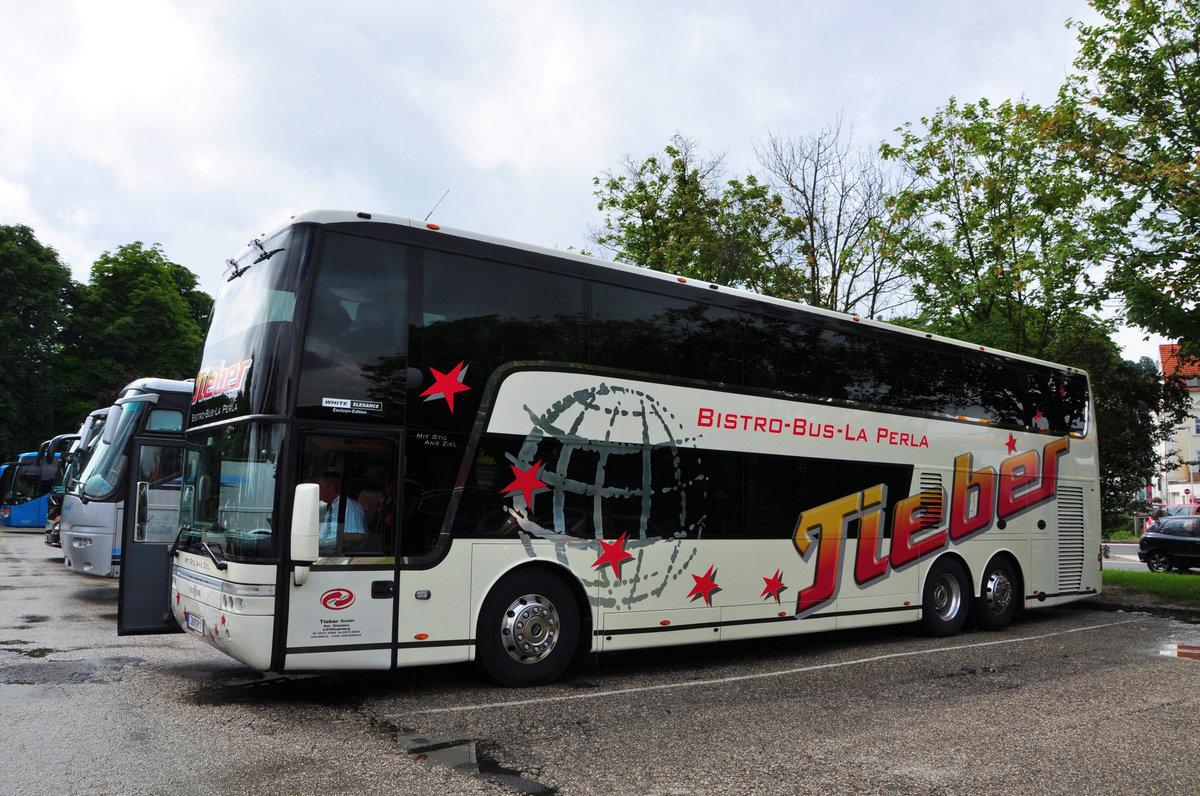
point(610, 456)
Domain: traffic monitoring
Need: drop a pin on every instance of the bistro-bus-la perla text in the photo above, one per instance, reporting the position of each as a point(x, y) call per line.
point(410, 445)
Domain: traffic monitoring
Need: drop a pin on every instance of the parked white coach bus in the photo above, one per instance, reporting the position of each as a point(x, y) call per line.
point(410, 445)
point(141, 441)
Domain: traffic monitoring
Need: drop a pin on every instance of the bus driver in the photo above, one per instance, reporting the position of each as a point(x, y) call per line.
point(353, 525)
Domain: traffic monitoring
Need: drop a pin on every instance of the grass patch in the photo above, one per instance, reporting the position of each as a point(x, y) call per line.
point(1168, 588)
point(1124, 535)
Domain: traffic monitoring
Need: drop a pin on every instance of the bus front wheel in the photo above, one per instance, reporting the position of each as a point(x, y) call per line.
point(946, 599)
point(528, 629)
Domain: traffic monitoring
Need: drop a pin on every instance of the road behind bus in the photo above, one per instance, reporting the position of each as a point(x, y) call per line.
point(1065, 701)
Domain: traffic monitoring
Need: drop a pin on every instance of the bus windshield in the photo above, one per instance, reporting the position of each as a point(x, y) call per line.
point(8, 482)
point(82, 452)
point(229, 490)
point(252, 320)
point(101, 478)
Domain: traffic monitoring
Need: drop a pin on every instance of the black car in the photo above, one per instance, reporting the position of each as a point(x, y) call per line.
point(1172, 542)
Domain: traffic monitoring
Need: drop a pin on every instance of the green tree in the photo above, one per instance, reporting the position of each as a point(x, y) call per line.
point(37, 297)
point(1136, 410)
point(139, 315)
point(999, 233)
point(1132, 119)
point(674, 214)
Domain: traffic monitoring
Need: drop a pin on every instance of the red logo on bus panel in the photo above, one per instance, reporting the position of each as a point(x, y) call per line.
point(337, 599)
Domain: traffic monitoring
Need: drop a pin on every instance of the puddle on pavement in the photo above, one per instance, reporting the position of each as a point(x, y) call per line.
point(473, 758)
point(101, 595)
point(18, 648)
point(40, 670)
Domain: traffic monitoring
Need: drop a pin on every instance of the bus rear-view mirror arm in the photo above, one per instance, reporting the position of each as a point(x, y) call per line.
point(306, 515)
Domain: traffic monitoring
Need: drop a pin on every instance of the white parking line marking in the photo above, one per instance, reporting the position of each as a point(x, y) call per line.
point(761, 675)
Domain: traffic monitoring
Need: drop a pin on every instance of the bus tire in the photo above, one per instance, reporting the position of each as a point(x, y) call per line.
point(528, 629)
point(946, 599)
point(999, 595)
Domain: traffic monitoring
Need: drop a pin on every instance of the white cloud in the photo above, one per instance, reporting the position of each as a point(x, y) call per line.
point(199, 125)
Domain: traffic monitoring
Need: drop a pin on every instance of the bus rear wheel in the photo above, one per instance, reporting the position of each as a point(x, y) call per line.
point(998, 596)
point(946, 599)
point(528, 629)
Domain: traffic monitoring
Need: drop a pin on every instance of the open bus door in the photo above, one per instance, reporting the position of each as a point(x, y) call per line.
point(147, 535)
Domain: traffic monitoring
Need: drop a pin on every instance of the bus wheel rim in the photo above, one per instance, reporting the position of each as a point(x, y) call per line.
point(529, 628)
point(998, 592)
point(947, 597)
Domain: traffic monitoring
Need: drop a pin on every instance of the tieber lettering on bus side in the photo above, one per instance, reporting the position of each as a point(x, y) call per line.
point(1025, 480)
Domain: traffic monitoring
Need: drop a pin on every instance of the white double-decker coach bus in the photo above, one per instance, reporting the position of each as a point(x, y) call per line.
point(410, 445)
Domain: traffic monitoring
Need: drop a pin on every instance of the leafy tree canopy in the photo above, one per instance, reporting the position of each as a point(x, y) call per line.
point(674, 214)
point(37, 299)
point(999, 233)
point(139, 315)
point(1132, 119)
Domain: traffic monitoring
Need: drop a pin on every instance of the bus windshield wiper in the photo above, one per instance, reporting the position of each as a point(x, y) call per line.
point(234, 271)
point(265, 255)
point(220, 564)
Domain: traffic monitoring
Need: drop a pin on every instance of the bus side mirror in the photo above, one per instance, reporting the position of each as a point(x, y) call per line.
point(110, 427)
point(306, 524)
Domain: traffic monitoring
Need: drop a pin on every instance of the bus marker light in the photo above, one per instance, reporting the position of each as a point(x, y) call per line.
point(421, 636)
point(433, 226)
point(783, 613)
point(665, 622)
point(680, 279)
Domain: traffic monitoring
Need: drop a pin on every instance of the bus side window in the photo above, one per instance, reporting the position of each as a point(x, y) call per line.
point(356, 477)
point(165, 420)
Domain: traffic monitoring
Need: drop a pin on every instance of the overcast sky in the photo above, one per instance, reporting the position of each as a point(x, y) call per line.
point(198, 125)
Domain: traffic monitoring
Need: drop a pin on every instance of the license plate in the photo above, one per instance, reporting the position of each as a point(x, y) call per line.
point(195, 622)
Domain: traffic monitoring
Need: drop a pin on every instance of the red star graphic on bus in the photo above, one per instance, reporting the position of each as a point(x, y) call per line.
point(705, 586)
point(614, 554)
point(1011, 443)
point(525, 482)
point(774, 586)
point(446, 384)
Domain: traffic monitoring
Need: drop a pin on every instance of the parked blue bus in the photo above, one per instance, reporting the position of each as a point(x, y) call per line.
point(25, 492)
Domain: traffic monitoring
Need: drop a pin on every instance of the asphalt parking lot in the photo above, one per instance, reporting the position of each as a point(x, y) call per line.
point(1066, 700)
